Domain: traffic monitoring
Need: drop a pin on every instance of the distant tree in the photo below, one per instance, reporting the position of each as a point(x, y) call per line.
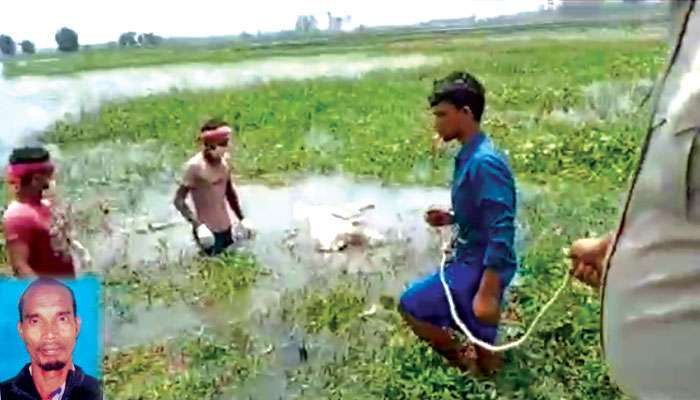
point(128, 39)
point(67, 40)
point(7, 45)
point(27, 47)
point(306, 23)
point(149, 40)
point(246, 36)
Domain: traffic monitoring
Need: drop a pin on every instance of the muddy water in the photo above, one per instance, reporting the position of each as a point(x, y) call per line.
point(398, 213)
point(135, 183)
point(410, 249)
point(30, 104)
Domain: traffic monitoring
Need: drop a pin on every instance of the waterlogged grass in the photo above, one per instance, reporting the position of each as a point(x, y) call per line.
point(188, 367)
point(198, 281)
point(380, 126)
point(192, 365)
point(561, 360)
point(333, 309)
point(100, 59)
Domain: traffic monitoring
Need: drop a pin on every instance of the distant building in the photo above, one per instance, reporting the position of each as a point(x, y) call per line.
point(335, 24)
point(306, 23)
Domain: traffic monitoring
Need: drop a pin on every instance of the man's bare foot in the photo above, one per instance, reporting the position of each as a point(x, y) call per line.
point(467, 360)
point(489, 362)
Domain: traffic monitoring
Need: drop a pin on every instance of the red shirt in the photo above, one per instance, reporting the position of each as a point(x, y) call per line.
point(31, 224)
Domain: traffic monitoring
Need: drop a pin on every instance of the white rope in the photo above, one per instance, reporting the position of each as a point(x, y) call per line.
point(499, 348)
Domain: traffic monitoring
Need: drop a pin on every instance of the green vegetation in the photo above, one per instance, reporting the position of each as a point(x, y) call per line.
point(191, 366)
point(379, 126)
point(201, 281)
point(384, 360)
point(379, 42)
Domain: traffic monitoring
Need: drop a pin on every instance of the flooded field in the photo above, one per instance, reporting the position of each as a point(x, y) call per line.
point(319, 139)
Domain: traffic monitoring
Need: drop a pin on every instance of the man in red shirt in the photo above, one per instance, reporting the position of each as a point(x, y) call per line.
point(36, 246)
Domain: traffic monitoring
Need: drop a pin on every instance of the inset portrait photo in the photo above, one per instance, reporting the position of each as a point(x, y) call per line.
point(51, 337)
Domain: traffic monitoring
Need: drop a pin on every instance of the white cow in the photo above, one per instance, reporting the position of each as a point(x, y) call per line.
point(333, 228)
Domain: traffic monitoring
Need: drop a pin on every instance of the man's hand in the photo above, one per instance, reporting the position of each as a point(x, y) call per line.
point(587, 258)
point(486, 304)
point(247, 228)
point(437, 217)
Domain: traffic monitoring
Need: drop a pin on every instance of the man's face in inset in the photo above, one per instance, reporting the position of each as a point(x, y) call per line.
point(49, 327)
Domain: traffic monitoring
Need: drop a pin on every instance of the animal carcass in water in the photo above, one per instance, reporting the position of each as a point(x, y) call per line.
point(333, 228)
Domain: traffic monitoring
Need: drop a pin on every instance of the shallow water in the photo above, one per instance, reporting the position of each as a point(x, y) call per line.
point(410, 249)
point(30, 104)
point(136, 183)
point(142, 329)
point(294, 263)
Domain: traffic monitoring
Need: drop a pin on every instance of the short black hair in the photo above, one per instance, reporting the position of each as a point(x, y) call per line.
point(460, 88)
point(41, 282)
point(28, 155)
point(213, 123)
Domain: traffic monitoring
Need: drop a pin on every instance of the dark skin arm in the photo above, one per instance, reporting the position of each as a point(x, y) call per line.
point(232, 198)
point(486, 302)
point(181, 205)
point(18, 256)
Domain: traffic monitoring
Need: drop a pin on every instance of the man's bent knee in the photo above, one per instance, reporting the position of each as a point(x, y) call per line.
point(403, 307)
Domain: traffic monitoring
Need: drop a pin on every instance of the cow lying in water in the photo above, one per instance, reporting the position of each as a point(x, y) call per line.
point(334, 228)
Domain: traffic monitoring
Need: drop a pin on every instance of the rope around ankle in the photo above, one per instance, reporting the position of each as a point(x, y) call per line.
point(498, 348)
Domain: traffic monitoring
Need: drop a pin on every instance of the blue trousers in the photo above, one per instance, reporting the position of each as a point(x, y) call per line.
point(426, 301)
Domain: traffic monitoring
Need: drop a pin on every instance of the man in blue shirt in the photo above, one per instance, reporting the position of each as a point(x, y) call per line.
point(483, 210)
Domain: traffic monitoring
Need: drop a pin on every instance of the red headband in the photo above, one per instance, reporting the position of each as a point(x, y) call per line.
point(218, 134)
point(15, 172)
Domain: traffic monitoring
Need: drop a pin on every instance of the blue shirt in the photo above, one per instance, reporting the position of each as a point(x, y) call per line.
point(484, 205)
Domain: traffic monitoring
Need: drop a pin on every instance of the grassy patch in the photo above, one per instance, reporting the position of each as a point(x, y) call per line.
point(393, 41)
point(561, 360)
point(188, 367)
point(198, 281)
point(379, 126)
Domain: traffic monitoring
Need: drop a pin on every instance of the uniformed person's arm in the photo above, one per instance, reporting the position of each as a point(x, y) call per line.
point(587, 258)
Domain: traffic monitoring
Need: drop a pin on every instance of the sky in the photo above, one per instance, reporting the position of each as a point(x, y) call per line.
point(99, 21)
